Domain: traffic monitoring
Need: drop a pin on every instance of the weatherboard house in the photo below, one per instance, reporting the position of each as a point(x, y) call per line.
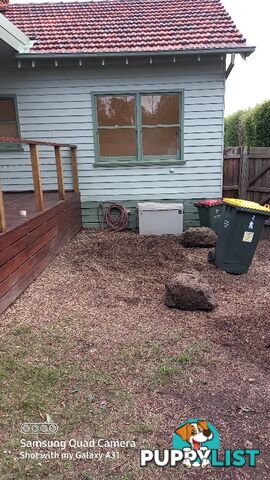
point(137, 86)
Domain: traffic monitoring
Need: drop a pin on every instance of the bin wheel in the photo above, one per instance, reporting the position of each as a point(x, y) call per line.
point(211, 256)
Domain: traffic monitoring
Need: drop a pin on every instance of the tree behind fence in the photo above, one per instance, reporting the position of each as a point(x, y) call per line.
point(249, 127)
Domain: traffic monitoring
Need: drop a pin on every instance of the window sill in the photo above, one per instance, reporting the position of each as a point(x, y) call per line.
point(149, 163)
point(12, 150)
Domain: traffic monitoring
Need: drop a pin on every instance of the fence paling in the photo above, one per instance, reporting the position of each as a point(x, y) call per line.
point(74, 165)
point(37, 177)
point(59, 169)
point(244, 161)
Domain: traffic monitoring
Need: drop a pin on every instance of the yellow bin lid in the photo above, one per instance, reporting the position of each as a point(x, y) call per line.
point(245, 204)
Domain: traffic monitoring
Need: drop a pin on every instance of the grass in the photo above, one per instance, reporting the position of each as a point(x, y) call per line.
point(38, 383)
point(165, 373)
point(190, 355)
point(35, 384)
point(32, 390)
point(144, 429)
point(22, 330)
point(178, 367)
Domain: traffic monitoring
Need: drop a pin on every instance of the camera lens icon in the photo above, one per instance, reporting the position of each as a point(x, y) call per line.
point(44, 428)
point(53, 428)
point(35, 428)
point(25, 428)
point(39, 428)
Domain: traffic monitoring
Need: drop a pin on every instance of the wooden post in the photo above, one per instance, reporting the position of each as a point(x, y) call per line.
point(37, 177)
point(59, 169)
point(74, 165)
point(243, 178)
point(2, 213)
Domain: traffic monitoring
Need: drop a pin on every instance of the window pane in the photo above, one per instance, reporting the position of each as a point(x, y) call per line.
point(118, 142)
point(8, 130)
point(116, 110)
point(160, 141)
point(7, 110)
point(160, 109)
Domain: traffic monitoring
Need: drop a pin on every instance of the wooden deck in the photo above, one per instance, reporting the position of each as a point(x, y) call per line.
point(30, 243)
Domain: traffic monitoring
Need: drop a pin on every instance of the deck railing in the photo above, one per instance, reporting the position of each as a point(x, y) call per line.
point(36, 173)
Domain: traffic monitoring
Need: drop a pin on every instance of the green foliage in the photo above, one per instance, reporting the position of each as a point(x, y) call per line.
point(249, 128)
point(232, 129)
point(261, 120)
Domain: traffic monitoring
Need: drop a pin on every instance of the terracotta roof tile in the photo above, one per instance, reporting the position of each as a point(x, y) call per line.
point(126, 26)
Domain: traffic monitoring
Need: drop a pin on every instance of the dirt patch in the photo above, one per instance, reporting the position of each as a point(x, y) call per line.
point(92, 344)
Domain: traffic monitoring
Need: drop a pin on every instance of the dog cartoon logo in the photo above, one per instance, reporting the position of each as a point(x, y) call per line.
point(196, 438)
point(195, 433)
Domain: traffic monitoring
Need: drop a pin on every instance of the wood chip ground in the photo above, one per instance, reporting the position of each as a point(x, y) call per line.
point(92, 344)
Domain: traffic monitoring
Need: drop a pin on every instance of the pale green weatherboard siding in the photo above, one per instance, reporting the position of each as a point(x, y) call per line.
point(55, 104)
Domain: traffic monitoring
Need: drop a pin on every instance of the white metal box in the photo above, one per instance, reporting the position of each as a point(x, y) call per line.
point(160, 218)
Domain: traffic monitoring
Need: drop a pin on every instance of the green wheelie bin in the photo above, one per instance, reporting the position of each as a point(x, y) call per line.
point(239, 232)
point(210, 213)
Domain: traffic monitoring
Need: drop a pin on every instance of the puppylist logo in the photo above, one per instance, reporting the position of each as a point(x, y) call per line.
point(196, 443)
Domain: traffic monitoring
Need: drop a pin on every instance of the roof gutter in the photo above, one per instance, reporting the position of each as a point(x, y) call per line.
point(244, 51)
point(231, 65)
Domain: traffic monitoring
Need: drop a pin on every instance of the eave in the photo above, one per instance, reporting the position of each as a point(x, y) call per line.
point(13, 37)
point(244, 51)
